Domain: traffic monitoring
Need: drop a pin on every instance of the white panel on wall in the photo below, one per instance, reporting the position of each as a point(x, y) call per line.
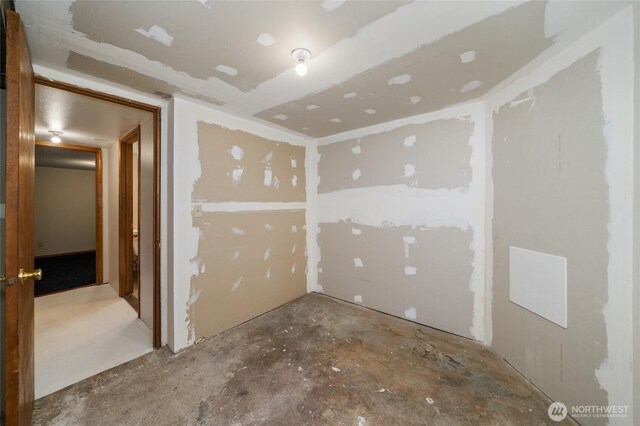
point(538, 282)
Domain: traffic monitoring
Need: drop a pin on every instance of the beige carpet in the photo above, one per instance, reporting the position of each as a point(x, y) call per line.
point(82, 332)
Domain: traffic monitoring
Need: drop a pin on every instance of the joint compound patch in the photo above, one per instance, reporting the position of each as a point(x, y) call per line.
point(329, 5)
point(266, 39)
point(357, 298)
point(236, 152)
point(158, 34)
point(226, 69)
point(409, 170)
point(236, 175)
point(410, 270)
point(468, 56)
point(357, 262)
point(410, 313)
point(472, 85)
point(237, 231)
point(236, 284)
point(409, 140)
point(399, 80)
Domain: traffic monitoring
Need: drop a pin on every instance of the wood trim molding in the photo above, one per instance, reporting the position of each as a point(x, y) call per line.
point(94, 94)
point(99, 221)
point(132, 136)
point(45, 256)
point(156, 111)
point(68, 146)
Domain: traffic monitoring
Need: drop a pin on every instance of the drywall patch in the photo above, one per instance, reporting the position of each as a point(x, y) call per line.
point(227, 70)
point(157, 33)
point(403, 155)
point(266, 39)
point(472, 85)
point(311, 107)
point(269, 169)
point(399, 80)
point(226, 291)
point(330, 5)
point(468, 56)
point(411, 313)
point(415, 99)
point(350, 95)
point(281, 117)
point(368, 263)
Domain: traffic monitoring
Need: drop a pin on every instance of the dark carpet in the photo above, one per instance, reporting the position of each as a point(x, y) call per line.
point(65, 272)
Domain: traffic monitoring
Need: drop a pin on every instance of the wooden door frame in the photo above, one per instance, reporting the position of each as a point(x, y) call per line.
point(155, 110)
point(98, 182)
point(125, 214)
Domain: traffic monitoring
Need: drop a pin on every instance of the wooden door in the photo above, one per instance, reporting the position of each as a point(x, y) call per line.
point(20, 169)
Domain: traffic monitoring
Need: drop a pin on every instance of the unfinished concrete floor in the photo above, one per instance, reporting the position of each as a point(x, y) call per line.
point(315, 360)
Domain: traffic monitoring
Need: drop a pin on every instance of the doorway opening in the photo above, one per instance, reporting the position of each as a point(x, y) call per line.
point(95, 324)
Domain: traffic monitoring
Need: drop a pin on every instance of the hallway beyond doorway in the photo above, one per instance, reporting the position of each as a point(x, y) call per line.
point(82, 332)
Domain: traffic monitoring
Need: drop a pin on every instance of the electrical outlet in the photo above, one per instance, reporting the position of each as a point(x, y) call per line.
point(197, 210)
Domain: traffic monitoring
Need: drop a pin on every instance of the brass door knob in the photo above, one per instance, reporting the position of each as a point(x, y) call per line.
point(34, 275)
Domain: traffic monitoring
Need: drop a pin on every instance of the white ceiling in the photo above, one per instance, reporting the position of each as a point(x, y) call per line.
point(399, 58)
point(82, 118)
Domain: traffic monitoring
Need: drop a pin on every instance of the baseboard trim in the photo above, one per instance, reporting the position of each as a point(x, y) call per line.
point(65, 254)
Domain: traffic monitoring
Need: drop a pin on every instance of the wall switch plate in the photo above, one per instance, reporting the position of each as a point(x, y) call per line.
point(197, 210)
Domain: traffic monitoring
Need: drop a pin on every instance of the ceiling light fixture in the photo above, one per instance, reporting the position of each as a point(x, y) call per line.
point(301, 55)
point(55, 136)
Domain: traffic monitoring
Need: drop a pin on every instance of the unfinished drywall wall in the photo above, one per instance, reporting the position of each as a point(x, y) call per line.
point(400, 219)
point(420, 156)
point(244, 167)
point(418, 273)
point(562, 149)
point(65, 207)
point(250, 263)
point(239, 241)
